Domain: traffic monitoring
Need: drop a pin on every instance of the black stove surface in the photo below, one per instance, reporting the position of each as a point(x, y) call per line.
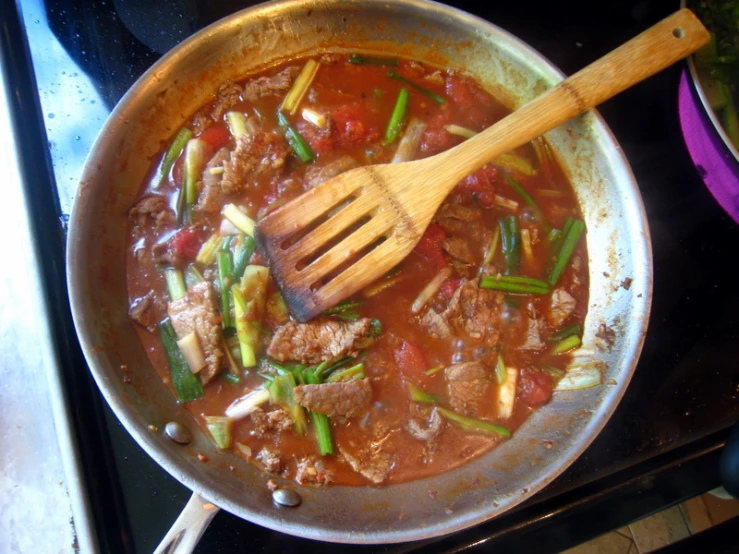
point(661, 444)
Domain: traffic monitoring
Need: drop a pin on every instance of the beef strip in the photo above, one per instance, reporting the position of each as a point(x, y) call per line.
point(315, 175)
point(162, 254)
point(436, 325)
point(148, 311)
point(270, 423)
point(467, 384)
point(152, 208)
point(533, 330)
point(256, 88)
point(476, 311)
point(257, 157)
point(319, 340)
point(459, 212)
point(197, 312)
point(229, 94)
point(563, 304)
point(310, 470)
point(210, 198)
point(270, 460)
point(371, 462)
point(458, 249)
point(342, 399)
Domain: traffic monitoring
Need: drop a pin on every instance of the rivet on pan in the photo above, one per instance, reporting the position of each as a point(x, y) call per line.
point(286, 497)
point(178, 432)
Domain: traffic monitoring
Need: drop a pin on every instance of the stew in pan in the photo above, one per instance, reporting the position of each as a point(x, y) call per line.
point(427, 368)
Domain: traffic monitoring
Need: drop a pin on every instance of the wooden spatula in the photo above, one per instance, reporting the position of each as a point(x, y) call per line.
point(337, 238)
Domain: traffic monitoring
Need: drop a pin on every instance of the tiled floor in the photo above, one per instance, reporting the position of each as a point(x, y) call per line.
point(663, 528)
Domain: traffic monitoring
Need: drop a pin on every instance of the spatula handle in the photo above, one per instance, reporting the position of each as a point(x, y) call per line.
point(660, 46)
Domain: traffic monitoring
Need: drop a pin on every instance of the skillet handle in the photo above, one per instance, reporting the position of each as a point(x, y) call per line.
point(188, 527)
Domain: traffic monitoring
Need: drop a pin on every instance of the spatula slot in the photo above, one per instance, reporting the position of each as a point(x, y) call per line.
point(318, 220)
point(348, 263)
point(329, 244)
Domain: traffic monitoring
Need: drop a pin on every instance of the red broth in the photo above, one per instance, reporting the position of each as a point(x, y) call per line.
point(389, 438)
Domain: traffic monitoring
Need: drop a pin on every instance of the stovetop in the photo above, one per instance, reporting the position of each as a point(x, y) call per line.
point(662, 442)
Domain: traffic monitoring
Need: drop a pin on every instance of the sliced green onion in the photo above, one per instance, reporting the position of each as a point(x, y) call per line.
point(460, 131)
point(276, 308)
point(242, 407)
point(352, 373)
point(241, 221)
point(522, 285)
point(301, 148)
point(312, 116)
point(186, 384)
point(281, 392)
point(555, 372)
point(321, 423)
point(231, 378)
point(435, 97)
point(530, 201)
point(418, 395)
point(501, 374)
point(194, 163)
point(220, 429)
point(207, 253)
point(511, 242)
point(507, 393)
point(224, 282)
point(473, 424)
point(377, 288)
point(358, 59)
point(515, 163)
point(175, 283)
point(410, 141)
point(397, 119)
point(246, 329)
point(300, 87)
point(434, 370)
point(193, 276)
point(574, 329)
point(541, 148)
point(236, 124)
point(321, 372)
point(567, 344)
point(250, 298)
point(344, 306)
point(243, 255)
point(579, 378)
point(189, 345)
point(492, 248)
point(174, 150)
point(569, 242)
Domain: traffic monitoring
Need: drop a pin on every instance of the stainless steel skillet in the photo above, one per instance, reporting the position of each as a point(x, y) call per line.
point(158, 104)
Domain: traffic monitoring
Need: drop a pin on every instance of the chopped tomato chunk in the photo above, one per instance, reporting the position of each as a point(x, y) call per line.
point(535, 387)
point(479, 185)
point(186, 244)
point(430, 245)
point(449, 287)
point(216, 136)
point(410, 360)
